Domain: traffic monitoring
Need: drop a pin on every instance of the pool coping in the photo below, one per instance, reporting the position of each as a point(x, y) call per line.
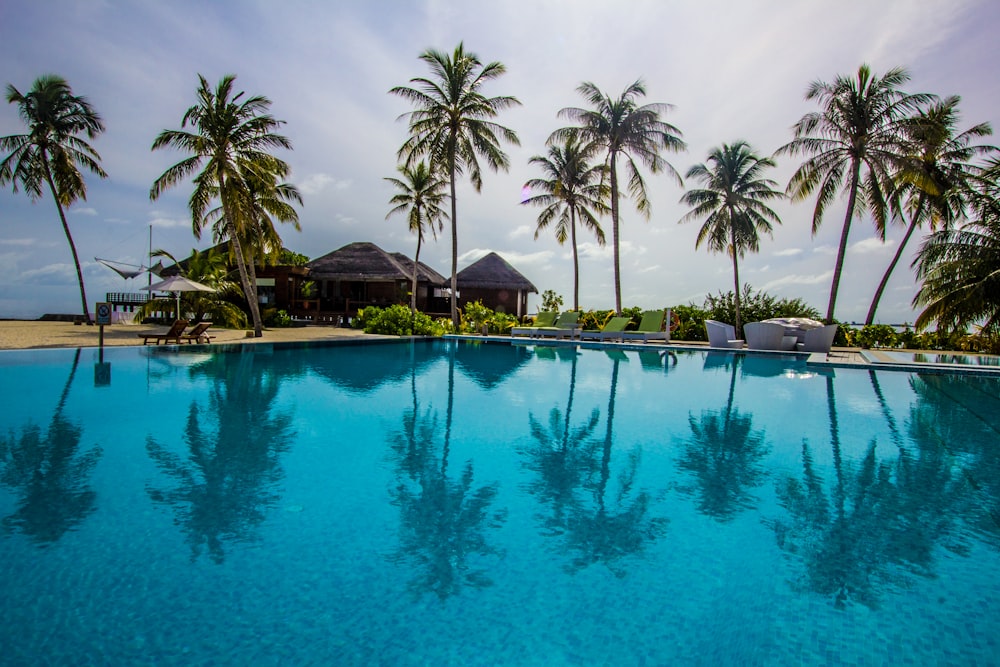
point(848, 358)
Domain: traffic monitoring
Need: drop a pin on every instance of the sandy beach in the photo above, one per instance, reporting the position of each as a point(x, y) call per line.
point(27, 334)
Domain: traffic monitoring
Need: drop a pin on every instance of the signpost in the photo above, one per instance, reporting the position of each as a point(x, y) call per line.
point(102, 371)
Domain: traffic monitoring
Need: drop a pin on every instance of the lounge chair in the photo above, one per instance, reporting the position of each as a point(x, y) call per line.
point(612, 330)
point(197, 334)
point(764, 335)
point(818, 340)
point(722, 335)
point(652, 326)
point(173, 334)
point(546, 318)
point(566, 326)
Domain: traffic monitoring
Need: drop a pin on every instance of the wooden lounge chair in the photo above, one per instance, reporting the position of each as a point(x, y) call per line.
point(197, 334)
point(173, 334)
point(546, 318)
point(612, 330)
point(652, 326)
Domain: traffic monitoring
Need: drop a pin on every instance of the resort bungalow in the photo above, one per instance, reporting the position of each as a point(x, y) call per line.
point(497, 284)
point(362, 274)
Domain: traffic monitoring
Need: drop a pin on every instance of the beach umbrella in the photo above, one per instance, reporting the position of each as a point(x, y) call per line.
point(178, 284)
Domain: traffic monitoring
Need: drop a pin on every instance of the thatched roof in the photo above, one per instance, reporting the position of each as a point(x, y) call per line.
point(493, 272)
point(424, 272)
point(364, 261)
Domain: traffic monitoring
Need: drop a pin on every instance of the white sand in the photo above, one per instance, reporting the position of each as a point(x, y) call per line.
point(24, 334)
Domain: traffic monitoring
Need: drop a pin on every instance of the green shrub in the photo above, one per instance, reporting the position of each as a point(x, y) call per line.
point(692, 323)
point(276, 318)
point(397, 320)
point(876, 335)
point(475, 315)
point(755, 307)
point(551, 301)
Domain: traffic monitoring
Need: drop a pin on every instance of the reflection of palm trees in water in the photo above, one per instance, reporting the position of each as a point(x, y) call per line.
point(563, 458)
point(224, 486)
point(52, 476)
point(616, 524)
point(878, 525)
point(443, 521)
point(724, 454)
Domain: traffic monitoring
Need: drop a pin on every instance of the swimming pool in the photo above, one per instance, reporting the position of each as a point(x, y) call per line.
point(452, 503)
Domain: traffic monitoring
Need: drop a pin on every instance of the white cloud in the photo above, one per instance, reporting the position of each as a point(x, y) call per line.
point(317, 183)
point(788, 252)
point(522, 232)
point(160, 222)
point(19, 242)
point(87, 210)
point(799, 279)
point(872, 246)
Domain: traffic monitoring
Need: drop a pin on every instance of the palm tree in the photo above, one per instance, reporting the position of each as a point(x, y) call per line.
point(230, 138)
point(52, 151)
point(623, 128)
point(421, 192)
point(732, 203)
point(958, 267)
point(453, 125)
point(933, 175)
point(853, 143)
point(573, 189)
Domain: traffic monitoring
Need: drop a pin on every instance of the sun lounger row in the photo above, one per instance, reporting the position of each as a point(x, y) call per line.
point(652, 327)
point(176, 334)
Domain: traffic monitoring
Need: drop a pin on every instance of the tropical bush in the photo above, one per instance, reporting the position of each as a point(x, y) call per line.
point(275, 318)
point(475, 315)
point(551, 300)
point(755, 307)
point(396, 320)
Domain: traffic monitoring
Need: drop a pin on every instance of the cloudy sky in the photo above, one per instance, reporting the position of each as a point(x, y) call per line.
point(732, 70)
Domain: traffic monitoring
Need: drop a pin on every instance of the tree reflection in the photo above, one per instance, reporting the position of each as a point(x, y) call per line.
point(724, 454)
point(50, 473)
point(614, 522)
point(225, 485)
point(877, 526)
point(563, 456)
point(444, 522)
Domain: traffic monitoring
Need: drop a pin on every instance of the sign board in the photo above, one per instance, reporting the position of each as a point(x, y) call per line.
point(103, 313)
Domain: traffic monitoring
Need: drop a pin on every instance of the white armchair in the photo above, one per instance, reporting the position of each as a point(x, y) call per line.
point(818, 340)
point(764, 335)
point(722, 335)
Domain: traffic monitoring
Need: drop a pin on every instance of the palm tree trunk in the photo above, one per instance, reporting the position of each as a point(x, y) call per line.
point(892, 265)
point(576, 258)
point(842, 249)
point(416, 260)
point(736, 270)
point(249, 289)
point(69, 238)
point(454, 252)
point(614, 233)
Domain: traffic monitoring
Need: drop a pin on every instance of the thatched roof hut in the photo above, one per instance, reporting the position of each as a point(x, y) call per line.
point(362, 273)
point(497, 284)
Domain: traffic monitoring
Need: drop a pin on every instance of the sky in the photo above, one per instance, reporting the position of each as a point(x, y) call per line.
point(730, 70)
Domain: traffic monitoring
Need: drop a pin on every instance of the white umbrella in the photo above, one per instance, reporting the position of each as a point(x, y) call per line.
point(177, 284)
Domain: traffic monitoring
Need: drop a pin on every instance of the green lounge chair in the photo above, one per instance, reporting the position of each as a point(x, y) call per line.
point(567, 326)
point(652, 326)
point(546, 318)
point(612, 330)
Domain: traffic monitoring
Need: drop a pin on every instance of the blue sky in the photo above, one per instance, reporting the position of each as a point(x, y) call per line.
point(732, 70)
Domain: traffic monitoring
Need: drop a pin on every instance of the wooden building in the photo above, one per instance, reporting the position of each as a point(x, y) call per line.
point(362, 274)
point(497, 284)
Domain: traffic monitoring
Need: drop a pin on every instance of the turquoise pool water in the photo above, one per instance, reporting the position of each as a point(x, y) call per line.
point(449, 503)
